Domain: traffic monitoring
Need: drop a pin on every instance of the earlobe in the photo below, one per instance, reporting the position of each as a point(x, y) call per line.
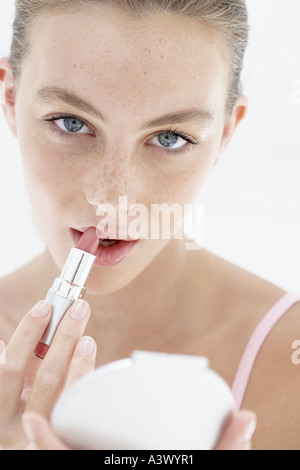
point(8, 93)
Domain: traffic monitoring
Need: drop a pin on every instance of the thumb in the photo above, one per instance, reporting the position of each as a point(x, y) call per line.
point(40, 433)
point(238, 433)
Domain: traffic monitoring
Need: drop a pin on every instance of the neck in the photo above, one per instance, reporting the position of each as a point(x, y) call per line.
point(143, 314)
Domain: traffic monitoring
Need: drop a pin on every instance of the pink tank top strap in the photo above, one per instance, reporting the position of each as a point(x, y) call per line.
point(255, 343)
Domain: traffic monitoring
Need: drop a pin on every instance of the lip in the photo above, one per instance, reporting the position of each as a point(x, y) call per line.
point(108, 256)
point(105, 235)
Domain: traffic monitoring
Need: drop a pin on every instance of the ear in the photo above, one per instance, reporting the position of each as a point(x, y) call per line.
point(238, 113)
point(8, 94)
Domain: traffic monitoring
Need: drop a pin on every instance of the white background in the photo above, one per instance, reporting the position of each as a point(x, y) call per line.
point(252, 198)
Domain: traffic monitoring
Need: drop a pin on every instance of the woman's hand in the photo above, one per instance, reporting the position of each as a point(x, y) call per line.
point(28, 384)
point(236, 436)
point(31, 386)
point(40, 434)
point(238, 433)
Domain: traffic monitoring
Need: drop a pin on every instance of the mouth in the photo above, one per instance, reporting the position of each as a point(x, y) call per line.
point(111, 251)
point(106, 243)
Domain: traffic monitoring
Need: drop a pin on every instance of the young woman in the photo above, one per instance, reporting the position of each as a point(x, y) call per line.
point(130, 98)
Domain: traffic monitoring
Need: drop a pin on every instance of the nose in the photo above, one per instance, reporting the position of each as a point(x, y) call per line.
point(108, 179)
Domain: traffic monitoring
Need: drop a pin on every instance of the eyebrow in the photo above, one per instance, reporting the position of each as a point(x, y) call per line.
point(49, 95)
point(196, 115)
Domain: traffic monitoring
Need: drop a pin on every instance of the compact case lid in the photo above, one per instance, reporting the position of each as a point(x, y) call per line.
point(151, 401)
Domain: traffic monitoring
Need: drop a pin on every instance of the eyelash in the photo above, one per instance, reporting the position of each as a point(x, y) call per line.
point(189, 139)
point(66, 134)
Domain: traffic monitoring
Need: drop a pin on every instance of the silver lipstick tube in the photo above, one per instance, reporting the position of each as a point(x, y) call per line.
point(68, 288)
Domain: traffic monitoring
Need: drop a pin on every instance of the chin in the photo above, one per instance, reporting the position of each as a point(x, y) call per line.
point(108, 282)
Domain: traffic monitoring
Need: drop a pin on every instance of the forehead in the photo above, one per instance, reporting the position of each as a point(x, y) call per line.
point(100, 52)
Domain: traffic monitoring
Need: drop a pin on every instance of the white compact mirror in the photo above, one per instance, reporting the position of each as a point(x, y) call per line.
point(151, 401)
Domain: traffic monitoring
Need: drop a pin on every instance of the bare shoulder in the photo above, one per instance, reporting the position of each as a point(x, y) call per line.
point(8, 301)
point(17, 295)
point(11, 287)
point(240, 294)
point(274, 384)
point(6, 322)
point(273, 388)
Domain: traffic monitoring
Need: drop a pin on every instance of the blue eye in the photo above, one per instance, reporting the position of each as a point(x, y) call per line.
point(70, 125)
point(170, 140)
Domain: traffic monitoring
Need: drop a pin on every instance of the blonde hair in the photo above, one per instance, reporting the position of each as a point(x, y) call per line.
point(228, 17)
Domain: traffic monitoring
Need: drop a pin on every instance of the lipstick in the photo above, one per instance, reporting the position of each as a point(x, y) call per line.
point(69, 287)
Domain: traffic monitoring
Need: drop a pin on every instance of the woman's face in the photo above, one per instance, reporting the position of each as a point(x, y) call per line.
point(151, 127)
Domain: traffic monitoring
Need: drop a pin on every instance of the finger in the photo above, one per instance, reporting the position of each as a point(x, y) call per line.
point(15, 357)
point(53, 372)
point(40, 433)
point(2, 352)
point(33, 366)
point(83, 361)
point(238, 433)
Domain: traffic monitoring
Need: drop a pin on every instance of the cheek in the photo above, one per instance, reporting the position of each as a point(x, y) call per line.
point(168, 191)
point(49, 176)
point(181, 181)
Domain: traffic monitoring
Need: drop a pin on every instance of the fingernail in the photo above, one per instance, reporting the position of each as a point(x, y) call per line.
point(86, 346)
point(79, 310)
point(32, 446)
point(250, 429)
point(29, 428)
point(40, 310)
point(247, 446)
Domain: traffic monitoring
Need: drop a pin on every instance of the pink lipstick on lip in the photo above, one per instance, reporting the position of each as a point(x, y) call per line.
point(89, 241)
point(103, 235)
point(69, 287)
point(110, 251)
